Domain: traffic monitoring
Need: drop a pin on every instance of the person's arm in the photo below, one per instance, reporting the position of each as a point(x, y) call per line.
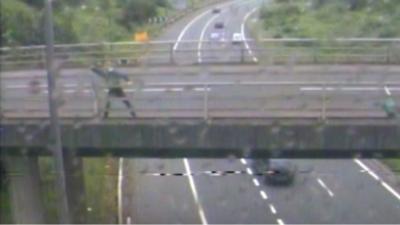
point(99, 72)
point(119, 75)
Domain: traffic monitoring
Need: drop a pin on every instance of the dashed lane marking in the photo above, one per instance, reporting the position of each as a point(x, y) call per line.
point(264, 195)
point(249, 171)
point(325, 187)
point(280, 222)
point(256, 183)
point(272, 208)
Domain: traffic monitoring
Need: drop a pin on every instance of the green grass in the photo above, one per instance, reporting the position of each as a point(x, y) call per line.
point(101, 176)
point(393, 164)
point(100, 180)
point(5, 207)
point(47, 174)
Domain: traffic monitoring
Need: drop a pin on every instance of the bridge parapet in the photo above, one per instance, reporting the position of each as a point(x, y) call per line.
point(217, 138)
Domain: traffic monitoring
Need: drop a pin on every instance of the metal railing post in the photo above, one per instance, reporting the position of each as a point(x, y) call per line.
point(205, 102)
point(388, 54)
point(314, 50)
point(171, 53)
point(323, 113)
point(242, 56)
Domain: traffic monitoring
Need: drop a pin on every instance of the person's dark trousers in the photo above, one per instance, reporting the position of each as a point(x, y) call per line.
point(119, 93)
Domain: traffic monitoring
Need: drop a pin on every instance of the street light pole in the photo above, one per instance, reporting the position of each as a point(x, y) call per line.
point(55, 132)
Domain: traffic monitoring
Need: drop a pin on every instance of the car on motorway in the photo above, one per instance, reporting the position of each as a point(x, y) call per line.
point(219, 25)
point(276, 171)
point(237, 38)
point(217, 36)
point(216, 10)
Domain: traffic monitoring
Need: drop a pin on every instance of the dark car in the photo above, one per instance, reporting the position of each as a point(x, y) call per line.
point(219, 25)
point(216, 10)
point(276, 171)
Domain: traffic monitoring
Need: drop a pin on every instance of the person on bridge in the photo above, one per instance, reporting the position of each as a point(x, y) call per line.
point(113, 81)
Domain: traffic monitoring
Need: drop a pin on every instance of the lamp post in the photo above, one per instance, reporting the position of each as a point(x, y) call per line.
point(55, 133)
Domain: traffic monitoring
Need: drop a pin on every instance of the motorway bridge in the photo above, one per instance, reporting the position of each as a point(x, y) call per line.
point(208, 105)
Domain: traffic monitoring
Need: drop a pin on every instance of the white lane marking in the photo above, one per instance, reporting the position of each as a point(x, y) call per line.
point(128, 220)
point(376, 177)
point(17, 86)
point(176, 89)
point(249, 171)
point(387, 91)
point(324, 186)
point(317, 89)
point(192, 22)
point(280, 222)
point(202, 89)
point(365, 168)
point(186, 28)
point(154, 90)
point(243, 161)
point(263, 195)
point(194, 191)
point(244, 33)
point(120, 178)
point(203, 32)
point(311, 89)
point(191, 83)
point(391, 190)
point(129, 90)
point(272, 208)
point(359, 88)
point(248, 82)
point(22, 86)
point(256, 183)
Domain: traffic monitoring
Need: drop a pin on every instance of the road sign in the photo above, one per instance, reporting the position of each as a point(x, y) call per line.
point(141, 36)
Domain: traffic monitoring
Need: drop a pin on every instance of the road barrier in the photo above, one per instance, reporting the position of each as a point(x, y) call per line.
point(267, 51)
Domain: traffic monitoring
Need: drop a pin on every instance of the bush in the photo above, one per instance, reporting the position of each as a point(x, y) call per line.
point(358, 18)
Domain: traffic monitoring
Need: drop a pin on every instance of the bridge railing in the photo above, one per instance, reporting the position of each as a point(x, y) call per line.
point(192, 52)
point(209, 100)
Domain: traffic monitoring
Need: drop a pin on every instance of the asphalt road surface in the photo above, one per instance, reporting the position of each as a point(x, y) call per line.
point(325, 191)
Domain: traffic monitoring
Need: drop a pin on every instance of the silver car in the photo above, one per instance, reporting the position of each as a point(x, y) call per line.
point(276, 171)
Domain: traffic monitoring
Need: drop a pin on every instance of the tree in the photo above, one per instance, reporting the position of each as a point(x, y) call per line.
point(19, 23)
point(136, 12)
point(356, 4)
point(34, 3)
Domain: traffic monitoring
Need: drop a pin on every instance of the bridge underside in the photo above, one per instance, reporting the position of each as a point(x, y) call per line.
point(215, 138)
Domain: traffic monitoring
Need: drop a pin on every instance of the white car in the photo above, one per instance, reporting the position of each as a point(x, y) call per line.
point(217, 36)
point(237, 38)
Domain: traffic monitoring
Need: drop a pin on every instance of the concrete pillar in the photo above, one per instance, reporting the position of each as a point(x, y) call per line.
point(25, 190)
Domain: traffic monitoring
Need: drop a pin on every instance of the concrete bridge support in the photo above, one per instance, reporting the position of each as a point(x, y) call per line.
point(25, 189)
